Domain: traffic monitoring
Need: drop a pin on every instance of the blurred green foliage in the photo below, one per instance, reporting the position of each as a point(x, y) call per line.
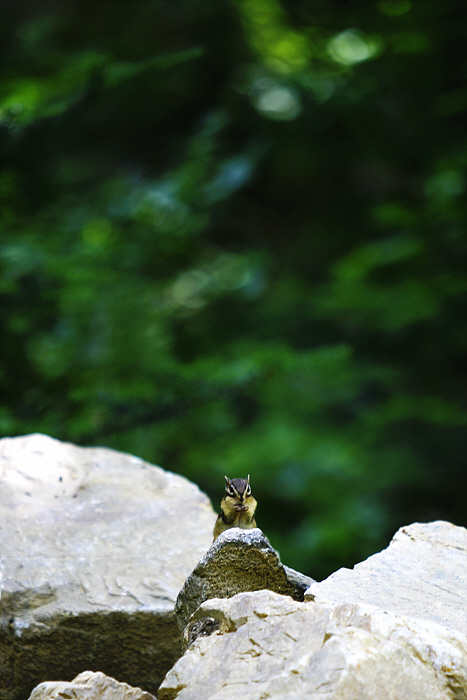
point(232, 242)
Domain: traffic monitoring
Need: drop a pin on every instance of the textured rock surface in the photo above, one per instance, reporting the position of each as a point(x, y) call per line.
point(238, 561)
point(391, 629)
point(265, 645)
point(89, 686)
point(95, 546)
point(423, 573)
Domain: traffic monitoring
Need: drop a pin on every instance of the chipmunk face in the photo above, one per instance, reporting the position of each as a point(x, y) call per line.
point(237, 491)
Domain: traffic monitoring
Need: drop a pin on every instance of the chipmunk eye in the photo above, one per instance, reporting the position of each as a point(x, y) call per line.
point(248, 491)
point(230, 491)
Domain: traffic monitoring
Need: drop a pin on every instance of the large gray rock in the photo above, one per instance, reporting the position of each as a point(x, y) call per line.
point(264, 645)
point(392, 629)
point(423, 573)
point(95, 546)
point(89, 686)
point(239, 560)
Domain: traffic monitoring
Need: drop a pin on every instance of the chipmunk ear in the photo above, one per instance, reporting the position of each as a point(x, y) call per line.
point(248, 480)
point(227, 481)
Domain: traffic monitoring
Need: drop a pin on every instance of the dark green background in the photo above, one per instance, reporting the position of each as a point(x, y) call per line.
point(232, 242)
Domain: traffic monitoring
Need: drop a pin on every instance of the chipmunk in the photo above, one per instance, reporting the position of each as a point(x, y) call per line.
point(237, 507)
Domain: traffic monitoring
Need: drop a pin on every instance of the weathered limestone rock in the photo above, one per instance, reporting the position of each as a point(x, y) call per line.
point(423, 573)
point(89, 686)
point(267, 645)
point(393, 628)
point(238, 561)
point(94, 547)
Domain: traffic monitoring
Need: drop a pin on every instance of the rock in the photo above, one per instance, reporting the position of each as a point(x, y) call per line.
point(89, 686)
point(265, 645)
point(95, 546)
point(391, 629)
point(423, 573)
point(239, 560)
